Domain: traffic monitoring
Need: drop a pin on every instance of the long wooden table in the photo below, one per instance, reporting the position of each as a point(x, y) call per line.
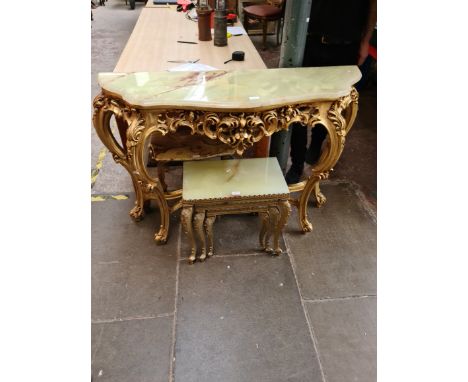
point(153, 43)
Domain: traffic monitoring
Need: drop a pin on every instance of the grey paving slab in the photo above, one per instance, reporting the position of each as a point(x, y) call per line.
point(346, 333)
point(132, 276)
point(112, 178)
point(338, 258)
point(359, 159)
point(233, 235)
point(136, 351)
point(241, 319)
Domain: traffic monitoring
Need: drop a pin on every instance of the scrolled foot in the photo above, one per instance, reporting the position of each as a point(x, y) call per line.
point(137, 213)
point(306, 226)
point(277, 252)
point(192, 258)
point(161, 237)
point(202, 256)
point(210, 252)
point(320, 199)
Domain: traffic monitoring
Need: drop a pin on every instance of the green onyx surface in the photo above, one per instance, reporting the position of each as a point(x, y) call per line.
point(235, 178)
point(237, 90)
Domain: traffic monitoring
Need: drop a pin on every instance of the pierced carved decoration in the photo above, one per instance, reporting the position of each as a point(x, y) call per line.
point(239, 130)
point(336, 116)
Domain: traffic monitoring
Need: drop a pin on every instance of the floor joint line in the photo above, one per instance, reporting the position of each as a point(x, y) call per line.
point(174, 322)
point(233, 255)
point(309, 323)
point(344, 298)
point(365, 204)
point(111, 320)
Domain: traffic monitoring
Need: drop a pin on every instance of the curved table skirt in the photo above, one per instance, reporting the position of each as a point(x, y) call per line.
point(237, 131)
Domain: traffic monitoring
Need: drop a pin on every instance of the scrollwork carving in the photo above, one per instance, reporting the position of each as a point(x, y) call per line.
point(239, 130)
point(335, 114)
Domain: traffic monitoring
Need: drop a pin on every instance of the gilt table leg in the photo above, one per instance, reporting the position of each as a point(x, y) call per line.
point(161, 235)
point(320, 198)
point(209, 234)
point(263, 237)
point(186, 218)
point(198, 225)
point(337, 117)
point(285, 211)
point(274, 224)
point(104, 109)
point(306, 225)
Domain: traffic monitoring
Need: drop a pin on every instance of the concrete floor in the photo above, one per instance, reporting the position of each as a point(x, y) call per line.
point(308, 315)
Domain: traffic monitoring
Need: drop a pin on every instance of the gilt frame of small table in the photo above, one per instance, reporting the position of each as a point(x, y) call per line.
point(143, 109)
point(198, 217)
point(259, 188)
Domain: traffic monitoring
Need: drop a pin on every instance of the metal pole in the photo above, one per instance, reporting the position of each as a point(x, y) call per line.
point(296, 21)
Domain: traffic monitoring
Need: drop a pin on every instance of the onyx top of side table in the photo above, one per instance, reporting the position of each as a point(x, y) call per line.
point(233, 109)
point(238, 186)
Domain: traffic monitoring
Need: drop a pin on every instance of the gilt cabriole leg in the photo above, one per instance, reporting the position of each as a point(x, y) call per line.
point(274, 220)
point(138, 211)
point(186, 219)
point(209, 234)
point(130, 154)
point(198, 226)
point(161, 236)
point(320, 198)
point(285, 211)
point(337, 117)
point(138, 135)
point(104, 109)
point(270, 228)
point(263, 238)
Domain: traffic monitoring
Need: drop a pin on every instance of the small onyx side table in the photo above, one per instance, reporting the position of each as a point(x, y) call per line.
point(238, 186)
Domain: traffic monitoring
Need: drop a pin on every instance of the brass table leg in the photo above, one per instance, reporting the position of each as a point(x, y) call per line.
point(337, 117)
point(319, 197)
point(209, 233)
point(186, 218)
point(161, 236)
point(130, 154)
point(264, 232)
point(285, 211)
point(274, 215)
point(198, 225)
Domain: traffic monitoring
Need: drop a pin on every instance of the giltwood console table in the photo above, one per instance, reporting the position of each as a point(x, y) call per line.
point(220, 112)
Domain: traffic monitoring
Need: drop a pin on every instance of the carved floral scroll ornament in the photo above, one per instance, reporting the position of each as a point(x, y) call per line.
point(239, 130)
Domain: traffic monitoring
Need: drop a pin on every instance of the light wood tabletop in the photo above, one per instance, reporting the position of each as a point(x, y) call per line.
point(153, 42)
